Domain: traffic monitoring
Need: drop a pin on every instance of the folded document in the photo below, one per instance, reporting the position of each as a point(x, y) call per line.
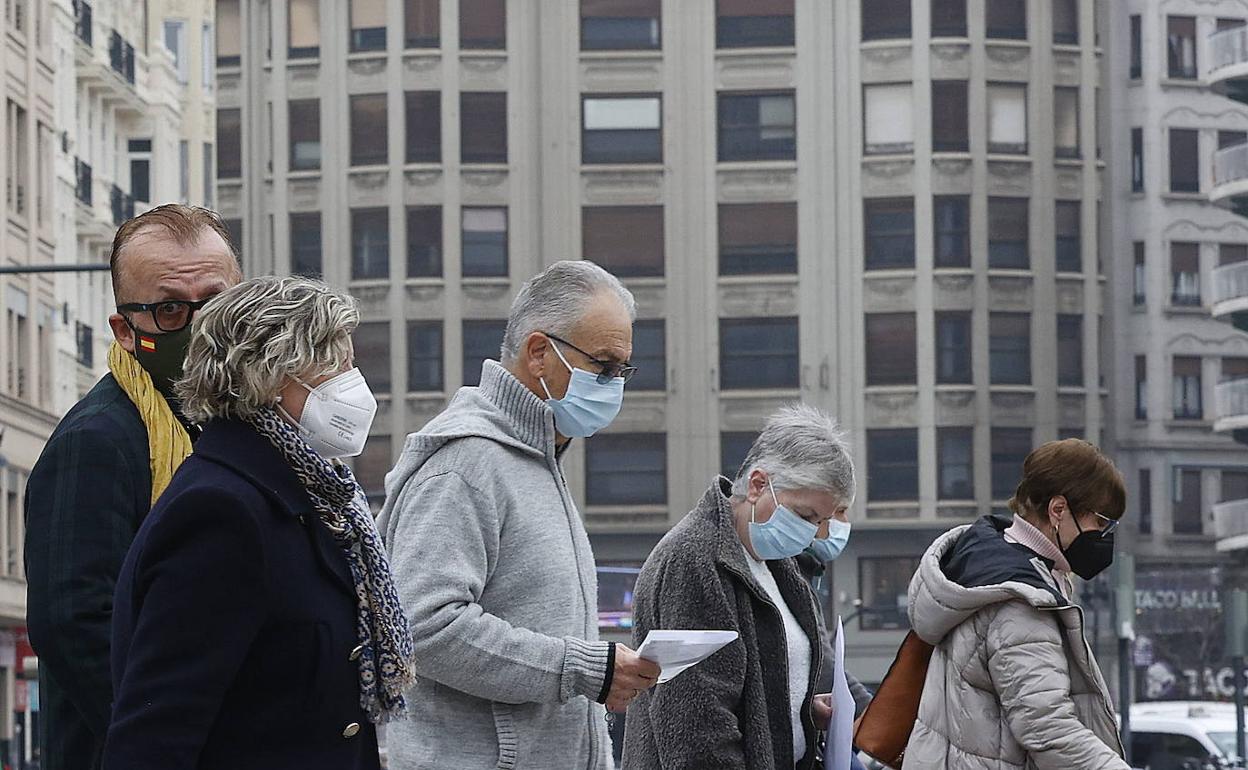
point(676, 651)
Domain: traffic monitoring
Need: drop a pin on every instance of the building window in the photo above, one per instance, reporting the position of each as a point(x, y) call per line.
point(1066, 22)
point(889, 127)
point(368, 25)
point(483, 127)
point(141, 169)
point(184, 170)
point(949, 116)
point(371, 467)
point(890, 350)
point(1010, 447)
point(1187, 388)
point(753, 23)
point(757, 126)
point(235, 228)
point(368, 130)
point(1234, 368)
point(1146, 501)
point(1009, 348)
point(956, 459)
point(1007, 119)
point(893, 464)
point(884, 582)
point(649, 355)
point(626, 240)
point(1234, 485)
point(1140, 277)
point(1184, 160)
point(1070, 350)
point(305, 244)
point(229, 40)
point(626, 129)
point(953, 348)
point(424, 357)
point(483, 24)
point(885, 19)
point(304, 17)
point(1066, 122)
point(422, 23)
point(175, 43)
point(758, 353)
point(229, 144)
point(1008, 226)
point(1181, 47)
point(889, 232)
point(1136, 65)
point(1006, 19)
point(734, 446)
point(423, 124)
point(1232, 253)
point(371, 341)
point(1187, 502)
point(757, 238)
point(952, 220)
point(370, 244)
point(948, 18)
point(1141, 387)
point(482, 340)
point(1185, 274)
point(484, 242)
point(424, 241)
point(1137, 160)
point(612, 25)
point(305, 134)
point(1068, 239)
point(626, 469)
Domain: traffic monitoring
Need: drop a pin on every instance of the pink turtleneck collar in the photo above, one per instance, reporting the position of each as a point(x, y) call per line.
point(1025, 534)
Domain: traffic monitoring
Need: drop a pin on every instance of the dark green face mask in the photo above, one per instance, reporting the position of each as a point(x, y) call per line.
point(162, 356)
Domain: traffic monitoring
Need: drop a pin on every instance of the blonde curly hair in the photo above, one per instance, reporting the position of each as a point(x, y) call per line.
point(250, 340)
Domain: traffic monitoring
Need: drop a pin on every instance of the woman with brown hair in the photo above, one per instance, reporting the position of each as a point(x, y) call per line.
point(1012, 682)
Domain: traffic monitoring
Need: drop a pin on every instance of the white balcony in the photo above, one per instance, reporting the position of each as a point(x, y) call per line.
point(1228, 61)
point(1230, 289)
point(1230, 173)
point(1232, 405)
point(1230, 525)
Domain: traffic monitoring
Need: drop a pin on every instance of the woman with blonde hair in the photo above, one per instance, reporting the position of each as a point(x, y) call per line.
point(255, 622)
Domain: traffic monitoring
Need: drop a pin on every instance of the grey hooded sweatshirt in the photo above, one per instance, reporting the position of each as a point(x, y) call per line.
point(494, 568)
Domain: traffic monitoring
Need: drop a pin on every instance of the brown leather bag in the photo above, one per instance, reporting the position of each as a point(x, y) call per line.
point(884, 728)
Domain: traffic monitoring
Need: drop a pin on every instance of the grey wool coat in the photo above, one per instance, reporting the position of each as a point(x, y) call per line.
point(730, 712)
point(1012, 684)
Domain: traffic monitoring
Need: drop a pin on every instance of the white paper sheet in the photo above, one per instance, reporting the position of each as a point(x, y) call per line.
point(676, 651)
point(839, 747)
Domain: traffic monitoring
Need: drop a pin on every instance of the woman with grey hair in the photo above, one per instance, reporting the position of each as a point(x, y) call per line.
point(255, 621)
point(729, 565)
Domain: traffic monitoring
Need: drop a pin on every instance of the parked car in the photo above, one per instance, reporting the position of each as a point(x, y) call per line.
point(1183, 735)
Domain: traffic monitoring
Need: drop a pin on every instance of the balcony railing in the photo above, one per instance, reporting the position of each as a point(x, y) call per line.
point(82, 21)
point(1230, 520)
point(1230, 282)
point(1227, 48)
point(122, 204)
point(82, 172)
point(1230, 164)
point(1231, 398)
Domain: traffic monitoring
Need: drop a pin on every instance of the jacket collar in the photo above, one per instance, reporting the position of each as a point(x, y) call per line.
point(238, 446)
point(532, 420)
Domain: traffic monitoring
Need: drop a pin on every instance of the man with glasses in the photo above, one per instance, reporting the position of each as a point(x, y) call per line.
point(489, 553)
point(107, 462)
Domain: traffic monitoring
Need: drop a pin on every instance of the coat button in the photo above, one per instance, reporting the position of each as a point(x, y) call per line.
point(356, 653)
point(351, 730)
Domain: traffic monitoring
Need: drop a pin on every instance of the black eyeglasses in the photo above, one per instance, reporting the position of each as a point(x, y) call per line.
point(172, 315)
point(609, 369)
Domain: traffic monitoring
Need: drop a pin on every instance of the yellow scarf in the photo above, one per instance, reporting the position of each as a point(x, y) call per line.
point(168, 440)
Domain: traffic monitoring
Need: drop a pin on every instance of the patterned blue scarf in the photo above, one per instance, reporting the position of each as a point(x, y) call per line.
point(386, 660)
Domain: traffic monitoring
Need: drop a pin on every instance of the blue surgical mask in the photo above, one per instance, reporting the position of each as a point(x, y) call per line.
point(830, 547)
point(784, 535)
point(588, 406)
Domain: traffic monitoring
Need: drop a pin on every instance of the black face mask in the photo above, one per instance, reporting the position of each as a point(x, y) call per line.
point(1090, 553)
point(162, 356)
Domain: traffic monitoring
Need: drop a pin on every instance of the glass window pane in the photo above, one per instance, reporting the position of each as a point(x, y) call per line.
point(889, 126)
point(368, 25)
point(424, 356)
point(371, 467)
point(423, 114)
point(1007, 118)
point(1231, 253)
point(1066, 122)
point(622, 130)
point(949, 116)
point(305, 244)
point(952, 217)
point(304, 18)
point(758, 353)
point(484, 242)
point(1009, 348)
point(1185, 274)
point(1068, 233)
point(305, 134)
point(757, 238)
point(626, 240)
point(1187, 388)
point(482, 340)
point(229, 144)
point(757, 127)
point(1181, 47)
point(893, 464)
point(1006, 19)
point(1008, 224)
point(890, 349)
point(372, 353)
point(1010, 447)
point(229, 38)
point(948, 18)
point(424, 241)
point(620, 24)
point(885, 19)
point(956, 477)
point(753, 23)
point(1184, 160)
point(368, 130)
point(483, 24)
point(953, 348)
point(422, 23)
point(889, 232)
point(649, 356)
point(626, 469)
point(1070, 350)
point(1188, 513)
point(483, 127)
point(370, 244)
point(1066, 22)
point(884, 583)
point(734, 446)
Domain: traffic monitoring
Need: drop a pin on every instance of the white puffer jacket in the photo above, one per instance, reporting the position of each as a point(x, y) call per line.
point(1012, 683)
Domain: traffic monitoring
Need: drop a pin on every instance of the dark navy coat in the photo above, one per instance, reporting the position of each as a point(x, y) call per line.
point(234, 625)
